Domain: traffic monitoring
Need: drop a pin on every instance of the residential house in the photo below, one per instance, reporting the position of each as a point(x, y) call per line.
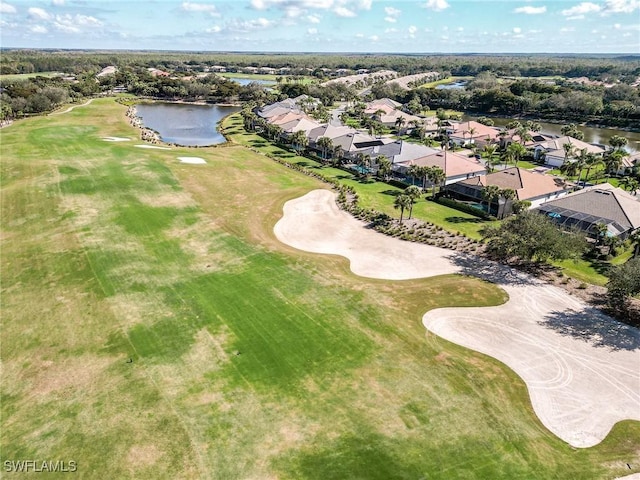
point(600, 204)
point(554, 150)
point(472, 132)
point(534, 187)
point(456, 167)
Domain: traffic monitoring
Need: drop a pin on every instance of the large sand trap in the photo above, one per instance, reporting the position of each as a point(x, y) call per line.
point(581, 367)
point(192, 160)
point(154, 147)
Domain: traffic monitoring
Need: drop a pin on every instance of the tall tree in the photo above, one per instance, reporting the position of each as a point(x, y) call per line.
point(413, 192)
point(437, 177)
point(517, 152)
point(532, 237)
point(489, 153)
point(402, 202)
point(384, 167)
point(490, 193)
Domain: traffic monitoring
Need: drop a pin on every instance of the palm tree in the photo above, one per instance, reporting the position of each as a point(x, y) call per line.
point(533, 126)
point(569, 150)
point(384, 167)
point(437, 177)
point(326, 145)
point(471, 132)
point(413, 192)
point(600, 230)
point(591, 161)
point(618, 142)
point(401, 202)
point(364, 162)
point(338, 153)
point(613, 161)
point(489, 154)
point(517, 151)
point(524, 135)
point(413, 172)
point(299, 140)
point(400, 123)
point(490, 193)
point(570, 169)
point(507, 194)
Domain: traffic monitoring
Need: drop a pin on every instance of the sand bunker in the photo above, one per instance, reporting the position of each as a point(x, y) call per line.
point(116, 139)
point(192, 160)
point(581, 367)
point(155, 147)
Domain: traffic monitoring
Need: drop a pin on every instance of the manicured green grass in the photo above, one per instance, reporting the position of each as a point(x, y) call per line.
point(249, 76)
point(249, 359)
point(592, 271)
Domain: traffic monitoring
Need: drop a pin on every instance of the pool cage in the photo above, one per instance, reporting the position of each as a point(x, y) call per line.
point(570, 219)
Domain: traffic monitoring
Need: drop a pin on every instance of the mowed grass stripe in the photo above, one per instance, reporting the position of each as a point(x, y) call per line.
point(336, 377)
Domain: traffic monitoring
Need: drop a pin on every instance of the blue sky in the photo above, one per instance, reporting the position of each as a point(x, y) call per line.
point(442, 26)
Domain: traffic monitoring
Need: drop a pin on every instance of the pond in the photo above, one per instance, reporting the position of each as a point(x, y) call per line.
point(247, 81)
point(185, 124)
point(591, 134)
point(452, 86)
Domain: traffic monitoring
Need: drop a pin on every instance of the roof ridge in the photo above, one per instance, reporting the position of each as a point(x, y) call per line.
point(624, 212)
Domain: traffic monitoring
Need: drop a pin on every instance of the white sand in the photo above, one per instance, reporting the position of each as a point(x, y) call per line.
point(192, 160)
point(581, 367)
point(116, 139)
point(154, 147)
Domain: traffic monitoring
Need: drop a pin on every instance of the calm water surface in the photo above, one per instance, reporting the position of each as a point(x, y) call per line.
point(185, 124)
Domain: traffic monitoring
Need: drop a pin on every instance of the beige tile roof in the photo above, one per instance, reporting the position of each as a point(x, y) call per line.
point(456, 165)
point(528, 185)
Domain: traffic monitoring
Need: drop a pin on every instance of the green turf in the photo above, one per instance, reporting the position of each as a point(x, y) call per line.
point(249, 359)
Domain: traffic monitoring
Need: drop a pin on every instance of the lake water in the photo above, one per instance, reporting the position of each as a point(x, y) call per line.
point(185, 124)
point(591, 134)
point(452, 86)
point(247, 81)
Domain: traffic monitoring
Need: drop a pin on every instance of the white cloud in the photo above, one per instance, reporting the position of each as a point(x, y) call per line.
point(390, 30)
point(390, 19)
point(581, 9)
point(621, 6)
point(39, 13)
point(412, 31)
point(365, 4)
point(312, 31)
point(529, 10)
point(374, 38)
point(6, 8)
point(567, 29)
point(344, 12)
point(215, 29)
point(576, 17)
point(460, 29)
point(517, 30)
point(617, 26)
point(38, 29)
point(313, 19)
point(436, 5)
point(359, 35)
point(392, 12)
point(57, 3)
point(199, 7)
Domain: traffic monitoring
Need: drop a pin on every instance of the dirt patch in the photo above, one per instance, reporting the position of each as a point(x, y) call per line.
point(143, 455)
point(74, 373)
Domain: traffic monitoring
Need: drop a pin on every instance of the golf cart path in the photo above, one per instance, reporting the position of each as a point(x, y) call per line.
point(581, 367)
point(72, 107)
